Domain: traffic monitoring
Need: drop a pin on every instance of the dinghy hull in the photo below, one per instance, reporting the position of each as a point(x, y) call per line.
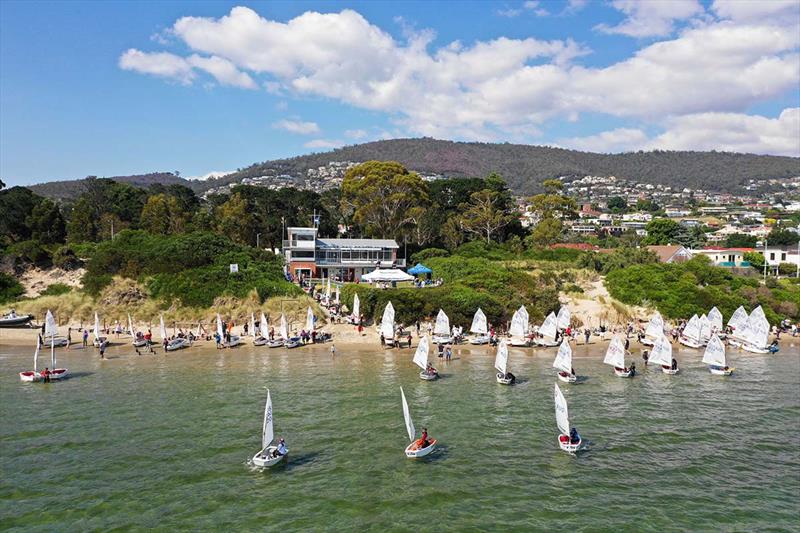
point(720, 371)
point(29, 376)
point(565, 444)
point(670, 371)
point(264, 459)
point(58, 373)
point(428, 377)
point(480, 340)
point(177, 344)
point(567, 378)
point(622, 373)
point(412, 452)
point(503, 380)
point(690, 343)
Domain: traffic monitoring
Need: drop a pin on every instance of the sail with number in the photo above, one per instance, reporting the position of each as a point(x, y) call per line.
point(387, 322)
point(479, 323)
point(220, 329)
point(309, 320)
point(267, 432)
point(655, 328)
point(526, 318)
point(738, 318)
point(50, 328)
point(715, 353)
point(407, 415)
point(421, 355)
point(758, 330)
point(356, 307)
point(615, 355)
point(563, 360)
point(96, 330)
point(661, 354)
point(692, 328)
point(501, 359)
point(549, 327)
point(715, 319)
point(564, 317)
point(284, 330)
point(562, 413)
point(162, 329)
point(442, 326)
point(264, 326)
point(517, 328)
point(705, 328)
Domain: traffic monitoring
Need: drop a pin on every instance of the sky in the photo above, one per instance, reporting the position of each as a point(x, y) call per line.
point(115, 88)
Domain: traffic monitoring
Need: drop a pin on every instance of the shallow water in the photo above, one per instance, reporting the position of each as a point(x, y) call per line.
point(163, 442)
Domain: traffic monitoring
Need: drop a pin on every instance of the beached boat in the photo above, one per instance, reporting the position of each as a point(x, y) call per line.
point(757, 333)
point(661, 354)
point(521, 329)
point(234, 340)
point(288, 342)
point(738, 324)
point(691, 335)
point(387, 324)
point(563, 363)
point(13, 320)
point(413, 451)
point(715, 320)
point(262, 335)
point(501, 364)
point(268, 455)
point(441, 330)
point(564, 318)
point(615, 356)
point(714, 357)
point(98, 339)
point(655, 329)
point(138, 339)
point(421, 360)
point(50, 329)
point(480, 328)
point(178, 343)
point(355, 316)
point(32, 375)
point(565, 441)
point(548, 332)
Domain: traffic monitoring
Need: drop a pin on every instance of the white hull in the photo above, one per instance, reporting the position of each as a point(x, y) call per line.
point(691, 343)
point(501, 380)
point(428, 377)
point(647, 341)
point(235, 341)
point(138, 343)
point(479, 340)
point(178, 344)
point(546, 343)
point(413, 453)
point(734, 342)
point(754, 349)
point(97, 342)
point(275, 343)
point(565, 444)
point(264, 459)
point(622, 373)
point(670, 371)
point(259, 341)
point(519, 343)
point(292, 343)
point(29, 376)
point(58, 373)
point(442, 339)
point(567, 378)
point(720, 371)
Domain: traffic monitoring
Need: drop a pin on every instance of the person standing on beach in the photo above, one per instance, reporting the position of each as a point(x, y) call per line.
point(586, 334)
point(85, 338)
point(103, 349)
point(383, 340)
point(69, 337)
point(333, 350)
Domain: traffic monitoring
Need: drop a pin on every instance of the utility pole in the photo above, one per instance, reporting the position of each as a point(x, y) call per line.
point(765, 259)
point(258, 236)
point(797, 275)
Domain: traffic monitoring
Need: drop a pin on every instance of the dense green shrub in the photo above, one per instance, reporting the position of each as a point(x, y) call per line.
point(30, 252)
point(427, 253)
point(10, 288)
point(65, 257)
point(55, 289)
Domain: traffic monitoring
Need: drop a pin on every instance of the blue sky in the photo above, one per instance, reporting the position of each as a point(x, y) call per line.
point(110, 88)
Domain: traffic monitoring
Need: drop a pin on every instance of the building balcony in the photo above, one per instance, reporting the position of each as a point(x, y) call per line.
point(359, 263)
point(298, 245)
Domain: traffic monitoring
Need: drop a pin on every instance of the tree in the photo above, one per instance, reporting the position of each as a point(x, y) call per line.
point(484, 215)
point(782, 237)
point(47, 223)
point(546, 232)
point(617, 204)
point(552, 186)
point(661, 231)
point(82, 225)
point(234, 220)
point(740, 240)
point(452, 233)
point(647, 205)
point(16, 205)
point(385, 197)
point(163, 215)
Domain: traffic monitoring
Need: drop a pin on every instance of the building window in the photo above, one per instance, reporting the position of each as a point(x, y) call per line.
point(304, 236)
point(783, 256)
point(302, 254)
point(772, 256)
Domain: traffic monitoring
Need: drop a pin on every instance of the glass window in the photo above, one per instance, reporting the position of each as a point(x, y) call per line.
point(305, 236)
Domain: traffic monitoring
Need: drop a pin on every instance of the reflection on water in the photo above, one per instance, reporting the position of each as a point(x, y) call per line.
point(163, 441)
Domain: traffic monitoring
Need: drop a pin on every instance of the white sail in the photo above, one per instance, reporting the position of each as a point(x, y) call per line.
point(264, 326)
point(387, 322)
point(705, 328)
point(517, 328)
point(96, 330)
point(356, 307)
point(409, 423)
point(442, 326)
point(692, 328)
point(131, 331)
point(758, 331)
point(715, 353)
point(162, 329)
point(715, 319)
point(479, 323)
point(655, 328)
point(563, 360)
point(526, 319)
point(549, 327)
point(337, 295)
point(50, 327)
point(738, 318)
point(220, 330)
point(267, 432)
point(562, 413)
point(564, 317)
point(501, 359)
point(615, 355)
point(421, 355)
point(661, 354)
point(284, 330)
point(253, 331)
point(36, 356)
point(758, 312)
point(309, 320)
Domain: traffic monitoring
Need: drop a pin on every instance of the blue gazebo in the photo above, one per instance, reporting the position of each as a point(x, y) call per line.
point(418, 269)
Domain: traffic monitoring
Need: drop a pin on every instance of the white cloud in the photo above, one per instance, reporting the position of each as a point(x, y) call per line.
point(324, 143)
point(297, 126)
point(536, 7)
point(509, 12)
point(497, 89)
point(651, 17)
point(612, 141)
point(210, 175)
point(573, 6)
point(171, 66)
point(772, 11)
point(356, 134)
point(223, 71)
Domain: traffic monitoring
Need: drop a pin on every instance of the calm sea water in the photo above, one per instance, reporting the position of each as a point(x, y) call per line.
point(163, 442)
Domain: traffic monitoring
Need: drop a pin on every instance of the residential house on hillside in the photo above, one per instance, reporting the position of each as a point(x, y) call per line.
point(671, 253)
point(725, 257)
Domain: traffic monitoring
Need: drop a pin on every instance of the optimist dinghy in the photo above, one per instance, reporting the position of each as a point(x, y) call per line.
point(756, 338)
point(692, 334)
point(501, 364)
point(262, 335)
point(268, 455)
point(615, 356)
point(441, 330)
point(98, 340)
point(655, 329)
point(520, 328)
point(714, 357)
point(479, 328)
point(661, 354)
point(387, 324)
point(50, 330)
point(31, 376)
point(565, 441)
point(416, 449)
point(548, 331)
point(421, 360)
point(563, 363)
point(138, 339)
point(738, 324)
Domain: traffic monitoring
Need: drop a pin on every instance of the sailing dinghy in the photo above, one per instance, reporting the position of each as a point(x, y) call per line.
point(563, 363)
point(138, 339)
point(691, 335)
point(548, 331)
point(480, 328)
point(50, 330)
point(714, 357)
point(518, 330)
point(421, 360)
point(262, 334)
point(563, 319)
point(32, 375)
point(756, 338)
point(387, 324)
point(441, 331)
point(715, 319)
point(268, 455)
point(416, 449)
point(178, 343)
point(738, 325)
point(661, 354)
point(355, 316)
point(615, 356)
point(235, 340)
point(503, 376)
point(98, 340)
point(565, 441)
point(655, 330)
point(289, 342)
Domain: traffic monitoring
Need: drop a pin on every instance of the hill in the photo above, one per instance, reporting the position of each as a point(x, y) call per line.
point(71, 189)
point(523, 166)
